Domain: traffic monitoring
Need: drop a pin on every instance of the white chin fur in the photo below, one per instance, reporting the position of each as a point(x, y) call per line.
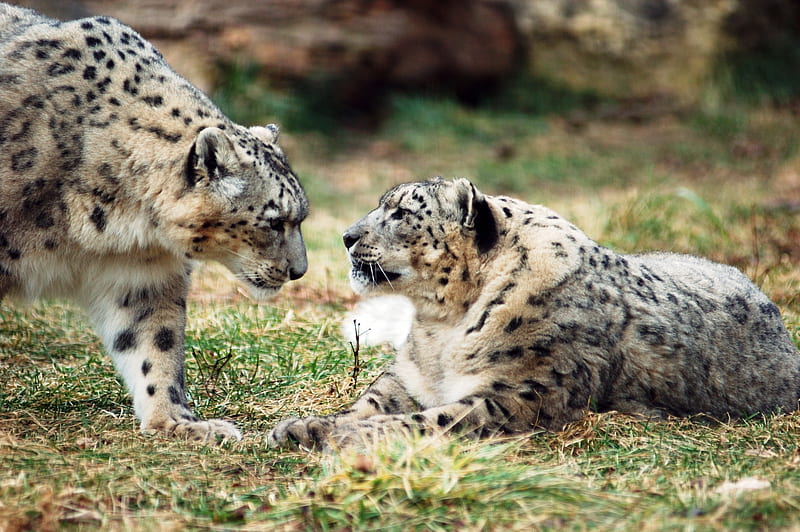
point(380, 320)
point(359, 282)
point(262, 294)
point(362, 284)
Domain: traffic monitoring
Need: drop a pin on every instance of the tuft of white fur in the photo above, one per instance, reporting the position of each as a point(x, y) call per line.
point(380, 320)
point(231, 187)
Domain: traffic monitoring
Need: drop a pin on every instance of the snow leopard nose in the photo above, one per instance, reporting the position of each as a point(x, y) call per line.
point(295, 274)
point(350, 239)
point(298, 260)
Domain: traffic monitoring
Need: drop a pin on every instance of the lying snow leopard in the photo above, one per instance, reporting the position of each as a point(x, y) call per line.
point(115, 175)
point(520, 321)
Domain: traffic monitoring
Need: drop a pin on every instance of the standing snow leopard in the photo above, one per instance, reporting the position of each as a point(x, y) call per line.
point(116, 174)
point(520, 321)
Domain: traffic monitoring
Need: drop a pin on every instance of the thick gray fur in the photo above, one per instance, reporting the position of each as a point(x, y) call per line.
point(523, 322)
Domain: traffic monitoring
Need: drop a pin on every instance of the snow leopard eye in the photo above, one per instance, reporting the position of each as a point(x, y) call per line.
point(400, 213)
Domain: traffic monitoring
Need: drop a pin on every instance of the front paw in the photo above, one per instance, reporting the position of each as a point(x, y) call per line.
point(309, 433)
point(205, 431)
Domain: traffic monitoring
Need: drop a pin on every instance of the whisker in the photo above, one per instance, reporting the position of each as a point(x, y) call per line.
point(237, 254)
point(378, 264)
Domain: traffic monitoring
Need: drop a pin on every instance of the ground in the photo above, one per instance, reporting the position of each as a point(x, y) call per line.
point(719, 181)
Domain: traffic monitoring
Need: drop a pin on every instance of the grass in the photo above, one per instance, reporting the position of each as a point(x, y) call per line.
point(722, 180)
point(87, 467)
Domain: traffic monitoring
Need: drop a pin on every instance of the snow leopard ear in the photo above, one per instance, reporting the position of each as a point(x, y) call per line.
point(267, 135)
point(477, 215)
point(210, 157)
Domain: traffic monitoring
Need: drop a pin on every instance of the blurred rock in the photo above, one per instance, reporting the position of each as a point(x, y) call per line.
point(628, 48)
point(360, 48)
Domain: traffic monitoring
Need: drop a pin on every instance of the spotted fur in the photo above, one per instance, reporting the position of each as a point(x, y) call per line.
point(522, 322)
point(115, 175)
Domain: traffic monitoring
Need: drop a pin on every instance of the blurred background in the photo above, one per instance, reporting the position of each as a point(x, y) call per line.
point(357, 51)
point(653, 124)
